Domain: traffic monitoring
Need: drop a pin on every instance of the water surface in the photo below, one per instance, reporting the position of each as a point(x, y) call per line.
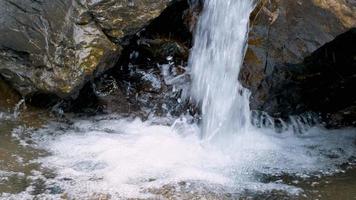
point(128, 158)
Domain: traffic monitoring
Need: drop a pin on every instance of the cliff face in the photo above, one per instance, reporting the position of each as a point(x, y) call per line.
point(54, 46)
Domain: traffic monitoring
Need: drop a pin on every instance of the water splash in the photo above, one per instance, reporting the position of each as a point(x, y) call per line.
point(129, 158)
point(17, 108)
point(216, 58)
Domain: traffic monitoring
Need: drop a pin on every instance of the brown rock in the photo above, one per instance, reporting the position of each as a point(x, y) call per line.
point(284, 32)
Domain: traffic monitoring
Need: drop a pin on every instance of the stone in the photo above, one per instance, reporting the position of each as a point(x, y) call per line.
point(151, 71)
point(54, 47)
point(285, 32)
point(9, 97)
point(323, 83)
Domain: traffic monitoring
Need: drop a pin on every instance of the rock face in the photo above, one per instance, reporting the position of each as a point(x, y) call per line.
point(55, 46)
point(282, 34)
point(329, 80)
point(285, 32)
point(324, 82)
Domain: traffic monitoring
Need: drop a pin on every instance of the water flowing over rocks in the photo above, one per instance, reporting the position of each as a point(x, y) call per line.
point(283, 34)
point(54, 47)
point(130, 115)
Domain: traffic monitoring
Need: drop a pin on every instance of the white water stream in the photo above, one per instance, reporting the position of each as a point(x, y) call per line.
point(216, 58)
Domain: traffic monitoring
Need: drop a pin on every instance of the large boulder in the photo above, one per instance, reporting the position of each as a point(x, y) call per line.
point(283, 33)
point(55, 46)
point(148, 77)
point(324, 83)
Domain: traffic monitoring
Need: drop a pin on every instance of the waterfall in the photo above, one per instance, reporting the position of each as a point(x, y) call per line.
point(216, 58)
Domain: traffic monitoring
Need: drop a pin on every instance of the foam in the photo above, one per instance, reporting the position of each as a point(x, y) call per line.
point(126, 158)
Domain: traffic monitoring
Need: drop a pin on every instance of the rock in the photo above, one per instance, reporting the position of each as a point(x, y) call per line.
point(9, 97)
point(136, 85)
point(119, 18)
point(342, 118)
point(191, 14)
point(283, 33)
point(323, 83)
point(54, 47)
point(151, 71)
point(14, 109)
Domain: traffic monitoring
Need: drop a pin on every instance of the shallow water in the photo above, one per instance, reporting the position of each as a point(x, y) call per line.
point(110, 156)
point(15, 159)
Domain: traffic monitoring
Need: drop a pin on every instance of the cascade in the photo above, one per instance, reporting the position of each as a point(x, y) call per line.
point(216, 59)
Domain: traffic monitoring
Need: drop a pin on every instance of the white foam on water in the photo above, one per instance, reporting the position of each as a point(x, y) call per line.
point(127, 158)
point(5, 116)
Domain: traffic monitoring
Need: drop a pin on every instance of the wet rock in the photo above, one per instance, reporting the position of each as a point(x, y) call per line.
point(14, 108)
point(55, 47)
point(285, 32)
point(324, 83)
point(9, 97)
point(344, 117)
point(121, 18)
point(148, 77)
point(282, 34)
point(151, 71)
point(110, 98)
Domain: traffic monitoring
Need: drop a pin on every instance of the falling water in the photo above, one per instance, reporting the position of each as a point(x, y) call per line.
point(17, 108)
point(216, 58)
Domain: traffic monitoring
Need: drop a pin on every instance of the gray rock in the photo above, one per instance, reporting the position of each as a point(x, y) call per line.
point(54, 47)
